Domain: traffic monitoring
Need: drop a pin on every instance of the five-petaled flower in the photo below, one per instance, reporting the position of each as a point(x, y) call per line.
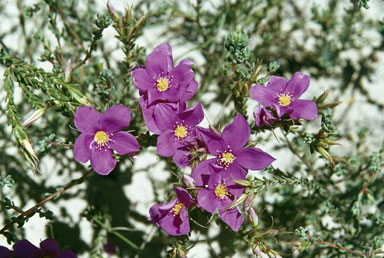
point(173, 216)
point(230, 156)
point(25, 249)
point(101, 134)
point(160, 80)
point(283, 96)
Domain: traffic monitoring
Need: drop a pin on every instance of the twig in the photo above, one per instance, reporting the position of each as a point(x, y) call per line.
point(367, 183)
point(31, 211)
point(336, 246)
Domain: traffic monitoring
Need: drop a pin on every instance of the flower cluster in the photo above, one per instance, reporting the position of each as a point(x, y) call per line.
point(164, 91)
point(280, 97)
point(25, 249)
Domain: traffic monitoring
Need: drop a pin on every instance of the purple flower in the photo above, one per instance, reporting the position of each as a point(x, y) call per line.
point(100, 134)
point(25, 249)
point(230, 156)
point(263, 116)
point(173, 216)
point(178, 129)
point(160, 80)
point(220, 193)
point(284, 95)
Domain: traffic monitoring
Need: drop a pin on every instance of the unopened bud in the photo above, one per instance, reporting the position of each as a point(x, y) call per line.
point(68, 71)
point(28, 147)
point(249, 201)
point(242, 182)
point(188, 181)
point(78, 96)
point(237, 202)
point(112, 11)
point(322, 97)
point(253, 217)
point(325, 154)
point(33, 117)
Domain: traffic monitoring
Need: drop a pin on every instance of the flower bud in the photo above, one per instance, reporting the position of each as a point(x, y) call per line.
point(237, 202)
point(188, 181)
point(242, 182)
point(253, 217)
point(325, 154)
point(322, 97)
point(249, 201)
point(112, 11)
point(68, 71)
point(33, 117)
point(78, 96)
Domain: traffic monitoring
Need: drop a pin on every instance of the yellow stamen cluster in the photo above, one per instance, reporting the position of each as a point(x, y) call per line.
point(221, 191)
point(102, 138)
point(285, 99)
point(177, 208)
point(226, 158)
point(180, 131)
point(162, 84)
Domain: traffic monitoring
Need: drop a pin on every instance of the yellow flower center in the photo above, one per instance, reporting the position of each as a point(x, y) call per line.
point(221, 191)
point(162, 84)
point(285, 99)
point(177, 208)
point(181, 131)
point(101, 138)
point(226, 158)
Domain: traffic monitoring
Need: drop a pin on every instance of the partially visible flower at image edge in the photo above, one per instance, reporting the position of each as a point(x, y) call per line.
point(49, 248)
point(101, 134)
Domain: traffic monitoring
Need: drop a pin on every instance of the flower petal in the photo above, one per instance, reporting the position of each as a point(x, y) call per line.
point(303, 108)
point(67, 254)
point(50, 245)
point(184, 227)
point(186, 62)
point(142, 80)
point(82, 149)
point(184, 196)
point(192, 116)
point(297, 85)
point(24, 248)
point(166, 144)
point(5, 252)
point(182, 157)
point(166, 49)
point(102, 161)
point(207, 199)
point(265, 96)
point(277, 83)
point(156, 64)
point(191, 90)
point(254, 158)
point(165, 116)
point(115, 119)
point(213, 141)
point(181, 75)
point(124, 143)
point(237, 133)
point(154, 214)
point(202, 171)
point(232, 218)
point(87, 119)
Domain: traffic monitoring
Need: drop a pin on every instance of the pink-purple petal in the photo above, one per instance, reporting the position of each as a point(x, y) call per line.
point(303, 108)
point(182, 75)
point(166, 144)
point(184, 196)
point(82, 149)
point(207, 199)
point(87, 119)
point(50, 245)
point(115, 119)
point(24, 248)
point(265, 96)
point(202, 171)
point(5, 252)
point(213, 141)
point(193, 115)
point(186, 62)
point(277, 83)
point(124, 143)
point(165, 116)
point(191, 90)
point(232, 218)
point(182, 158)
point(157, 64)
point(237, 133)
point(297, 85)
point(67, 254)
point(254, 158)
point(142, 80)
point(165, 48)
point(102, 161)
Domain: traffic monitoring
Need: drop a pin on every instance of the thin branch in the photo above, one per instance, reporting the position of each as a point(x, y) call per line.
point(30, 212)
point(336, 246)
